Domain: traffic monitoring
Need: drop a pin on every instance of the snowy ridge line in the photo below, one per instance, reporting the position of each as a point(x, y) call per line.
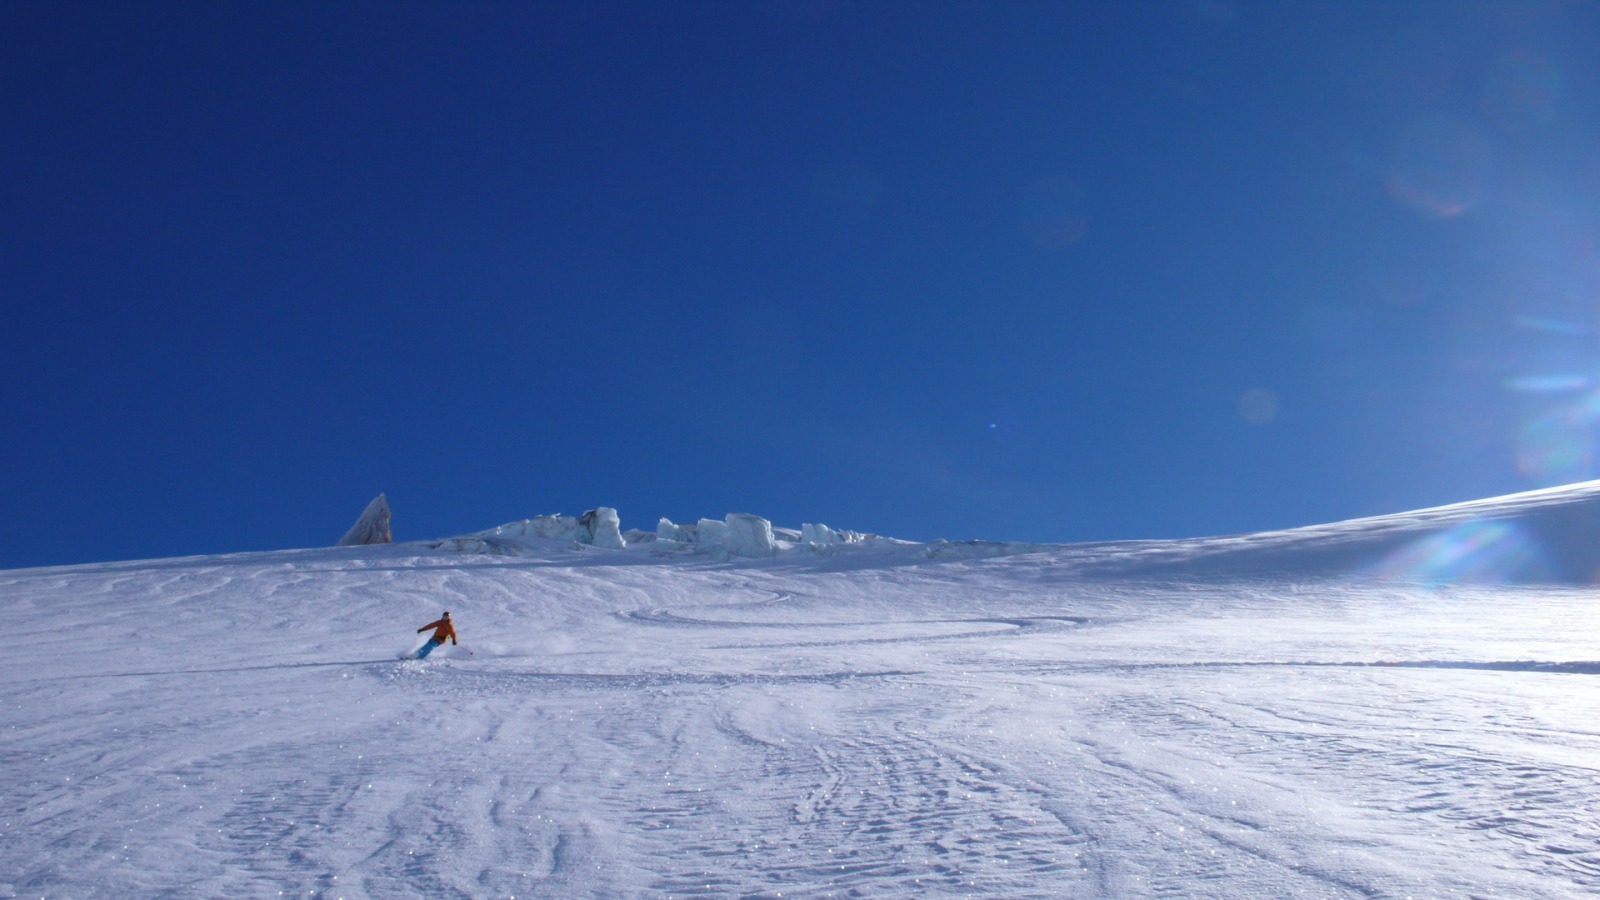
point(1546, 536)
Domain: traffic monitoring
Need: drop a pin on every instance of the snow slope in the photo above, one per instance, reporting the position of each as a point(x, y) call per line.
point(1392, 707)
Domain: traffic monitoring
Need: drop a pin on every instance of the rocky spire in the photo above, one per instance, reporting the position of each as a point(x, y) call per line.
point(372, 527)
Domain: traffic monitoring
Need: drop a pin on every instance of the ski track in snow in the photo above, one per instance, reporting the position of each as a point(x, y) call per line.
point(243, 726)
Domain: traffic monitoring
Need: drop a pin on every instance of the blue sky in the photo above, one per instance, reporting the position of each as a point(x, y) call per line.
point(1047, 271)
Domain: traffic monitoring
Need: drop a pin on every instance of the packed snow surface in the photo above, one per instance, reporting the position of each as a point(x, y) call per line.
point(1393, 707)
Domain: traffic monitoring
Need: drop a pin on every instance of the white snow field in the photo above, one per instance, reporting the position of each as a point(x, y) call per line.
point(1405, 706)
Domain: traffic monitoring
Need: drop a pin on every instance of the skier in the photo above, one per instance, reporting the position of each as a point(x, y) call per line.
point(441, 629)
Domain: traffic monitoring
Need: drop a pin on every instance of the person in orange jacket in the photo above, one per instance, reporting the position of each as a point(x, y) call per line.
point(443, 628)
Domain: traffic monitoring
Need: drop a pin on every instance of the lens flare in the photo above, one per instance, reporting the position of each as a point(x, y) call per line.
point(1441, 166)
point(1548, 384)
point(1556, 449)
point(1521, 92)
point(1551, 326)
point(1561, 401)
point(1478, 552)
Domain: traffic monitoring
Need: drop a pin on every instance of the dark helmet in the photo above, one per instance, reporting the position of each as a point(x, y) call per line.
point(447, 614)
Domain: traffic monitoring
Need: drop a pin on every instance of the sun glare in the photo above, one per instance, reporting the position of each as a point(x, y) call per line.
point(1480, 552)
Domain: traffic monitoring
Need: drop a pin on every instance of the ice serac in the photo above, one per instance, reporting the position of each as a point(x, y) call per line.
point(817, 533)
point(602, 528)
point(711, 533)
point(749, 535)
point(739, 534)
point(599, 527)
point(812, 533)
point(372, 527)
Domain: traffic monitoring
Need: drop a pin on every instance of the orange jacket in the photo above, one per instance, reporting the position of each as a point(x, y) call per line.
point(442, 629)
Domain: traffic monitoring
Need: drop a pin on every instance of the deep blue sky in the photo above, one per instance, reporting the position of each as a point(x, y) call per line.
point(1050, 271)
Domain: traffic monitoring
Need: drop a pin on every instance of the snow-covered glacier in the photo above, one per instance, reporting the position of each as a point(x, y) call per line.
point(1388, 707)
